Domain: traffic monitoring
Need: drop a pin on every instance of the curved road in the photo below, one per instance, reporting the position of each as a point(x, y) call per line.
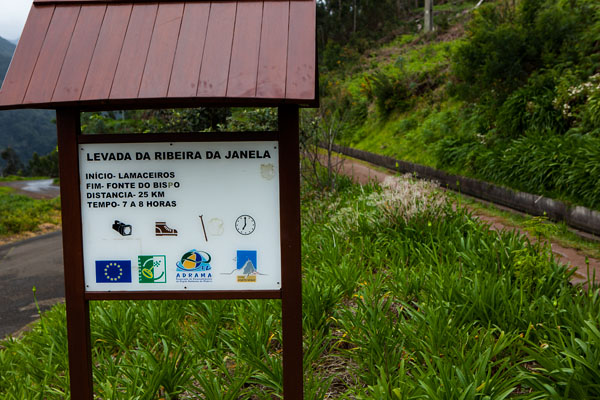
point(33, 262)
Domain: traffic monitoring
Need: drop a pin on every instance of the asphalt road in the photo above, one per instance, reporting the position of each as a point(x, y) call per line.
point(33, 262)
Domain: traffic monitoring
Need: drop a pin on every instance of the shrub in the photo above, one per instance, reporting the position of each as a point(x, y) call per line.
point(531, 108)
point(398, 89)
point(390, 93)
point(496, 59)
point(503, 50)
point(578, 100)
point(253, 119)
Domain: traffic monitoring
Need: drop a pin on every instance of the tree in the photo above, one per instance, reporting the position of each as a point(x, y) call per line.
point(13, 165)
point(45, 165)
point(428, 26)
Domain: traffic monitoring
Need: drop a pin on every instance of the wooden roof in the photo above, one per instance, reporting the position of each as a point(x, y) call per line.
point(115, 55)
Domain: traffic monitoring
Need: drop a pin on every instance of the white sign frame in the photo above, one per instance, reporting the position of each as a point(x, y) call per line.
point(212, 194)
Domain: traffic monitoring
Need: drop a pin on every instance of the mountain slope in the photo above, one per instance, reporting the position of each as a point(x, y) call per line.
point(26, 131)
point(6, 52)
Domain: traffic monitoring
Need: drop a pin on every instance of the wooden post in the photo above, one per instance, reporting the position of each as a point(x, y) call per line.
point(291, 285)
point(78, 316)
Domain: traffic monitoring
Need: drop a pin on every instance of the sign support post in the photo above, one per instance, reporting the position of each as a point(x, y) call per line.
point(78, 311)
point(291, 269)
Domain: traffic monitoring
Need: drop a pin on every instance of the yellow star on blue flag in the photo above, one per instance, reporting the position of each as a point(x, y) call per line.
point(113, 271)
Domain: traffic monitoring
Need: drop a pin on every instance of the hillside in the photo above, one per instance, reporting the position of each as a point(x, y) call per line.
point(504, 92)
point(6, 52)
point(26, 131)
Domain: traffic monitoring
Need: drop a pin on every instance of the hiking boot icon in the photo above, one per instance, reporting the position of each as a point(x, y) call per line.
point(161, 229)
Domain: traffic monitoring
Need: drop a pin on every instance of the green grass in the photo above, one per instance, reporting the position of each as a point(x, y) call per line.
point(538, 226)
point(410, 136)
point(20, 213)
point(403, 298)
point(13, 178)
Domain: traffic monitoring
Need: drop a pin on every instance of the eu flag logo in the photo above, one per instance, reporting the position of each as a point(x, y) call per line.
point(113, 271)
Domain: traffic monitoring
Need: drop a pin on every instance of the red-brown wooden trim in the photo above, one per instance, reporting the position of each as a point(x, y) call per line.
point(217, 50)
point(243, 66)
point(291, 267)
point(179, 137)
point(190, 48)
point(185, 295)
point(78, 315)
point(52, 56)
point(134, 54)
point(157, 74)
point(301, 66)
point(273, 50)
point(79, 55)
point(24, 60)
point(104, 62)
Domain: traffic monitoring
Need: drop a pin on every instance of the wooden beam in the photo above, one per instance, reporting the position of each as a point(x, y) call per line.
point(291, 265)
point(78, 312)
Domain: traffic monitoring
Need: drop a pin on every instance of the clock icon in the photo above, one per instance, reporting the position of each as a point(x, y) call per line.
point(245, 224)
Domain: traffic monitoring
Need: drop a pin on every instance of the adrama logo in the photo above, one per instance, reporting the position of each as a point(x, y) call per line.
point(194, 266)
point(194, 260)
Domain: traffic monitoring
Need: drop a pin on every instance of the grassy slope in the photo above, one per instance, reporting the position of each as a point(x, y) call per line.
point(414, 134)
point(20, 213)
point(406, 135)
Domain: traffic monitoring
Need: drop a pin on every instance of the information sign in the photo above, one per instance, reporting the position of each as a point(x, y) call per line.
point(180, 216)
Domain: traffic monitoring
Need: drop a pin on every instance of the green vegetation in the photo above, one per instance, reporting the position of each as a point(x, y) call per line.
point(44, 165)
point(514, 99)
point(12, 163)
point(13, 178)
point(20, 213)
point(28, 131)
point(145, 121)
point(403, 298)
point(536, 226)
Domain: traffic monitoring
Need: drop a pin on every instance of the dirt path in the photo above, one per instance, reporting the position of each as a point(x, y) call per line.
point(363, 173)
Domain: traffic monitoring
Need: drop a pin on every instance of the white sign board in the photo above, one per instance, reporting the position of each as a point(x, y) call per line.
point(180, 216)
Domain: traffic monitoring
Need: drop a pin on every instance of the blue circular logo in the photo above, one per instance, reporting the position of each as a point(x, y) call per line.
point(194, 260)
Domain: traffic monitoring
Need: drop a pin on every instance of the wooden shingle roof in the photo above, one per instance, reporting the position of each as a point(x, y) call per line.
point(115, 55)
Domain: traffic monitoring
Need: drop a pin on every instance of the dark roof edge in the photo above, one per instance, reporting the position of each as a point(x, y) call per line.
point(162, 103)
point(46, 2)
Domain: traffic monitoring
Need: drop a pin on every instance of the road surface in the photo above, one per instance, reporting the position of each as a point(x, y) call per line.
point(37, 189)
point(33, 262)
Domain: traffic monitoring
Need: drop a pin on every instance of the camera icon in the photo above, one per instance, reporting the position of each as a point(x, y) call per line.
point(123, 229)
